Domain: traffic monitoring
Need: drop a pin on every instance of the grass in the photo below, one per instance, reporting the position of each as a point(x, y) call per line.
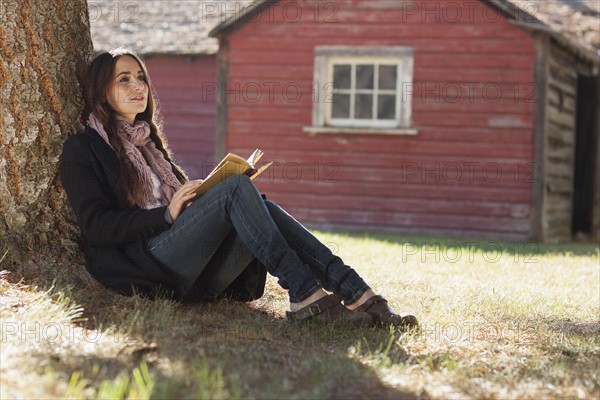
point(499, 321)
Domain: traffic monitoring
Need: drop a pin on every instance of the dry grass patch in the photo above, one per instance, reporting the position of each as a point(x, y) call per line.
point(500, 320)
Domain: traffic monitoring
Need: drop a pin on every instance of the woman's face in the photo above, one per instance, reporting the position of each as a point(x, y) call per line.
point(128, 92)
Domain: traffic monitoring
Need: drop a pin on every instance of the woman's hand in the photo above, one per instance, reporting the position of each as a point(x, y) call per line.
point(182, 197)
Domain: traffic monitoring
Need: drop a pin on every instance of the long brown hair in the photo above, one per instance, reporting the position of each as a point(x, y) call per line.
point(97, 83)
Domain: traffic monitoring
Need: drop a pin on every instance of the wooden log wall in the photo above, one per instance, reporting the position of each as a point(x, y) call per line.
point(559, 145)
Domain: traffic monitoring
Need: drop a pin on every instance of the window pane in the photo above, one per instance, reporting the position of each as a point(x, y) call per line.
point(365, 76)
point(340, 108)
point(388, 77)
point(363, 107)
point(341, 76)
point(386, 107)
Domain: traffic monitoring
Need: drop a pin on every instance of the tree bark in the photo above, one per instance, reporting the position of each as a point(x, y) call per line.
point(44, 48)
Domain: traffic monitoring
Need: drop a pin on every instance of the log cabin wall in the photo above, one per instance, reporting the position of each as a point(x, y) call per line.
point(559, 145)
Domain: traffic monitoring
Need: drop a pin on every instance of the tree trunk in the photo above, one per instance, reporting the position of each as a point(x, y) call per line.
point(44, 47)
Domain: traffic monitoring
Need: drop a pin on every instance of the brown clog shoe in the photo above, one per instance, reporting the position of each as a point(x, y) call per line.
point(382, 314)
point(330, 309)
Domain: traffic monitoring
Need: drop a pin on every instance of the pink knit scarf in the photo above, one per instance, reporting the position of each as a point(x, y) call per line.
point(144, 156)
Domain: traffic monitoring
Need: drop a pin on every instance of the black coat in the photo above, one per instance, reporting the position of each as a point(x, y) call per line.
point(117, 233)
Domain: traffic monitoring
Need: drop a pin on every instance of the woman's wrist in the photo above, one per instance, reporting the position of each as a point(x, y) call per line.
point(168, 217)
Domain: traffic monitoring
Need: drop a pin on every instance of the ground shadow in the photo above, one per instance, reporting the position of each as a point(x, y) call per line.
point(265, 354)
point(570, 328)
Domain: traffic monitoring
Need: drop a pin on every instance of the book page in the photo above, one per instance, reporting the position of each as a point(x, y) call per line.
point(255, 157)
point(259, 171)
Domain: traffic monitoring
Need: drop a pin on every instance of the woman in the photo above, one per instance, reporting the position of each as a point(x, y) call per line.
point(144, 233)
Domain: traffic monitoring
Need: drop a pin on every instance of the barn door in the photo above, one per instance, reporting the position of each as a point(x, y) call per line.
point(586, 147)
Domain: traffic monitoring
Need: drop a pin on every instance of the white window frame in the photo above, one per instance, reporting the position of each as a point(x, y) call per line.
point(327, 56)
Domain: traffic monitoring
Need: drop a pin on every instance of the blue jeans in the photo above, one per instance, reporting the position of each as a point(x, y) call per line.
point(218, 235)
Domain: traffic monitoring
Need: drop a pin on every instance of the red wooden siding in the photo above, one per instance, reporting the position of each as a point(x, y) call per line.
point(189, 115)
point(468, 171)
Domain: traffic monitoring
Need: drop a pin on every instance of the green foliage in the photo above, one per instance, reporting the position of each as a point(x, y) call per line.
point(380, 355)
point(138, 384)
point(200, 382)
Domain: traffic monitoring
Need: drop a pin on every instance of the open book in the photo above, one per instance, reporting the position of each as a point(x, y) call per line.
point(230, 165)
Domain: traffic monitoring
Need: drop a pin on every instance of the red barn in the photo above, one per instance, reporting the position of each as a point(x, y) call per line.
point(172, 37)
point(473, 118)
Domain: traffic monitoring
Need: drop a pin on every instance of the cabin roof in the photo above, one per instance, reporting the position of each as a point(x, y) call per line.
point(574, 22)
point(160, 27)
